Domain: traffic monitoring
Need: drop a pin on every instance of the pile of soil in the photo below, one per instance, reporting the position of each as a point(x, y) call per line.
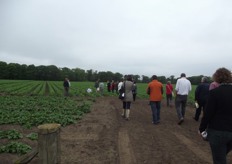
point(103, 136)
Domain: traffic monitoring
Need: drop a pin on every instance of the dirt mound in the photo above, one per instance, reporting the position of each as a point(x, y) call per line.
point(103, 136)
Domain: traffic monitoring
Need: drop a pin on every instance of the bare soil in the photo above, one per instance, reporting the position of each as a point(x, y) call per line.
point(104, 137)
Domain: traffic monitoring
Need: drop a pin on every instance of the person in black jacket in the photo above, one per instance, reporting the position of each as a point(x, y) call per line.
point(66, 85)
point(201, 96)
point(217, 119)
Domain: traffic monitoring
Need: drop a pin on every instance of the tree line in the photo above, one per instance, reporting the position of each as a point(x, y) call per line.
point(15, 71)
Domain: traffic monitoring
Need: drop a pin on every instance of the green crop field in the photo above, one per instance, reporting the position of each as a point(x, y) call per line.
point(30, 103)
point(55, 89)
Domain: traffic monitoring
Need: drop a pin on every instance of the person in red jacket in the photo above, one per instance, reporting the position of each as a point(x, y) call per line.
point(155, 90)
point(169, 91)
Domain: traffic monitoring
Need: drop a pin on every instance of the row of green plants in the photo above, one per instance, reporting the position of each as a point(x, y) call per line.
point(15, 146)
point(29, 111)
point(20, 108)
point(55, 88)
point(48, 88)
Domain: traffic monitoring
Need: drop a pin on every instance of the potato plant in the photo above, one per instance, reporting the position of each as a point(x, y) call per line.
point(31, 111)
point(15, 147)
point(10, 134)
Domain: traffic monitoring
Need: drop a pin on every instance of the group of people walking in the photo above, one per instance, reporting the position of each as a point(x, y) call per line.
point(155, 91)
point(213, 99)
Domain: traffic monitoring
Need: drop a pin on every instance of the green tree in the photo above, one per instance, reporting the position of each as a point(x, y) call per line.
point(117, 76)
point(102, 76)
point(41, 73)
point(52, 73)
point(23, 70)
point(14, 71)
point(172, 79)
point(66, 72)
point(136, 78)
point(3, 70)
point(30, 73)
point(145, 79)
point(162, 79)
point(195, 80)
point(79, 74)
point(92, 75)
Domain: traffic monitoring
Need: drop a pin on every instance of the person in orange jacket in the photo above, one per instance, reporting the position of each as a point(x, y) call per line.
point(155, 91)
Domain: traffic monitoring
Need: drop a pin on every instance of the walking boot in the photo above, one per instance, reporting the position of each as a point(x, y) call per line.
point(123, 113)
point(127, 114)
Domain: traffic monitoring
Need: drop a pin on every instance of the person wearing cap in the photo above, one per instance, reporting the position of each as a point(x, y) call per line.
point(182, 89)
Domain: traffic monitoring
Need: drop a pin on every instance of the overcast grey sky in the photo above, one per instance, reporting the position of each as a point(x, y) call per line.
point(142, 37)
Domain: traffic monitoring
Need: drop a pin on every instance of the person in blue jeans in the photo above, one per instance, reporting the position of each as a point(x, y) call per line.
point(217, 119)
point(155, 91)
point(155, 107)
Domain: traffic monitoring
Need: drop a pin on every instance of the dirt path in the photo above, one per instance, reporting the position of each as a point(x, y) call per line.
point(104, 137)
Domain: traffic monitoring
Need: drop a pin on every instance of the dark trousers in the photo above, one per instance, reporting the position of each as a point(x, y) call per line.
point(198, 110)
point(66, 91)
point(169, 99)
point(155, 108)
point(134, 96)
point(126, 105)
point(180, 103)
point(221, 144)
